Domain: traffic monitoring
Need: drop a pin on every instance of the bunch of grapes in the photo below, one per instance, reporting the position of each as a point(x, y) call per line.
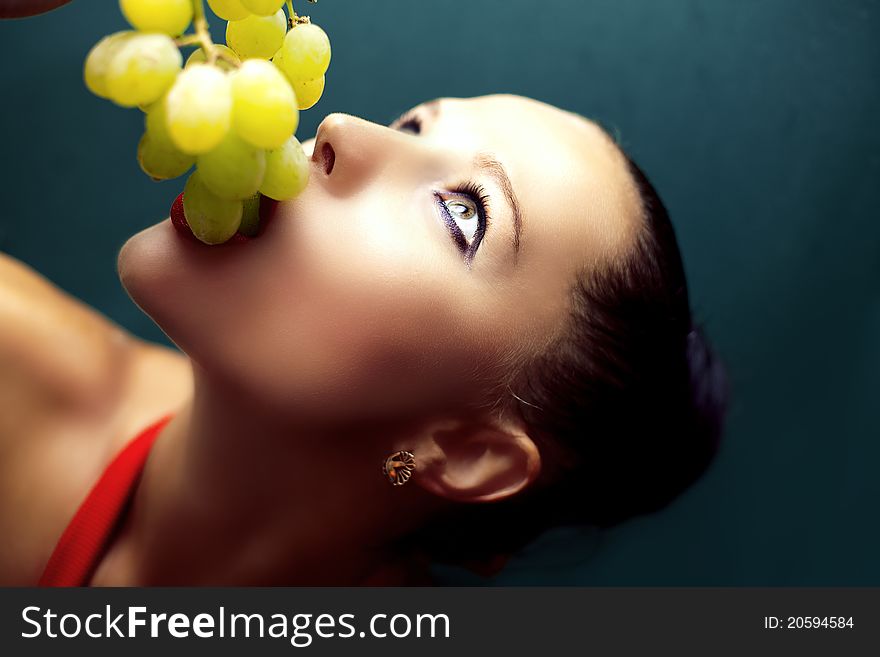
point(231, 111)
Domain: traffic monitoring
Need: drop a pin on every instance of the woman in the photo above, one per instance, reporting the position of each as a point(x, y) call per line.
point(511, 312)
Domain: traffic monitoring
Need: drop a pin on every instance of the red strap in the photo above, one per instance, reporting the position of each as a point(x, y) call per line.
point(84, 540)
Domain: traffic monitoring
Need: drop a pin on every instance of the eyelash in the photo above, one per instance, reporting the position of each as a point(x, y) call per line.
point(478, 195)
point(409, 120)
point(472, 190)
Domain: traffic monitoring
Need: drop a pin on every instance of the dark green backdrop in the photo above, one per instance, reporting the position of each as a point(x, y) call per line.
point(757, 120)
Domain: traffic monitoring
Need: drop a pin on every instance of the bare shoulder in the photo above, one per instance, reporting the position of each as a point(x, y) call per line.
point(74, 387)
point(52, 342)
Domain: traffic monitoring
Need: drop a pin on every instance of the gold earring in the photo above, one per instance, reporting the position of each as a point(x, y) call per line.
point(398, 467)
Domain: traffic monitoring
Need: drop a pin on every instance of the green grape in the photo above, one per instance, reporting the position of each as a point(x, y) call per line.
point(156, 122)
point(98, 60)
point(199, 109)
point(233, 170)
point(308, 92)
point(169, 17)
point(306, 52)
point(262, 7)
point(158, 156)
point(287, 171)
point(250, 216)
point(257, 36)
point(211, 219)
point(142, 69)
point(198, 57)
point(264, 105)
point(162, 161)
point(228, 10)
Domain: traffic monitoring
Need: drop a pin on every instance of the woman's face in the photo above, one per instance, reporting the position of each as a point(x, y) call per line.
point(421, 262)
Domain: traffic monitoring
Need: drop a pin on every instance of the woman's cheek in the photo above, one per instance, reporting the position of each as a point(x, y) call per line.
point(364, 249)
point(357, 296)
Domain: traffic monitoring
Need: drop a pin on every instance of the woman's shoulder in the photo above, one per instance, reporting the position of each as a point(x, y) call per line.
point(53, 346)
point(74, 388)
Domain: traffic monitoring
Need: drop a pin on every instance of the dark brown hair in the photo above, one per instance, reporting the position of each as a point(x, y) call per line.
point(627, 406)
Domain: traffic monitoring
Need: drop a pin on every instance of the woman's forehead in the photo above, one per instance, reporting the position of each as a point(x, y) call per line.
point(565, 169)
point(560, 148)
point(509, 111)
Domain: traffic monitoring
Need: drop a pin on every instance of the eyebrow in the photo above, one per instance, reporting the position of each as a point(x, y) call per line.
point(490, 166)
point(495, 170)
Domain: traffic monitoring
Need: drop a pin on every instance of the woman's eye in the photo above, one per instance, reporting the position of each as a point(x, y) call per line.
point(464, 213)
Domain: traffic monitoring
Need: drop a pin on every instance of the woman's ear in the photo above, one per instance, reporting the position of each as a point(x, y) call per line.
point(482, 461)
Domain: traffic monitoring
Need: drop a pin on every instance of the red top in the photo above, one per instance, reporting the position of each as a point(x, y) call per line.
point(86, 538)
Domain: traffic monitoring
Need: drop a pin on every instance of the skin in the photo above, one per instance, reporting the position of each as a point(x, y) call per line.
point(351, 329)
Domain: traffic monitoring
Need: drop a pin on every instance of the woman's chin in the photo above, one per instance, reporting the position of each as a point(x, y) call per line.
point(142, 262)
point(161, 272)
point(187, 288)
point(161, 263)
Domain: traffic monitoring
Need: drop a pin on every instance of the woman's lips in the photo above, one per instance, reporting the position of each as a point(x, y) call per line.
point(178, 219)
point(268, 210)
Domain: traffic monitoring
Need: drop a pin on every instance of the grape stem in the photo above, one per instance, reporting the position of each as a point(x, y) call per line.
point(293, 18)
point(200, 23)
point(202, 37)
point(187, 40)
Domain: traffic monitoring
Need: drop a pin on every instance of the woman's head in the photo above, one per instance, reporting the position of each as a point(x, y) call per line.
point(627, 405)
point(495, 264)
point(358, 298)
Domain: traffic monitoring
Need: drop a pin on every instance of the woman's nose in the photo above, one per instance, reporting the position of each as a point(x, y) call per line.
point(350, 152)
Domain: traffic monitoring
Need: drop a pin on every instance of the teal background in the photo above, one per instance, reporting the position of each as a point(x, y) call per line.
point(757, 121)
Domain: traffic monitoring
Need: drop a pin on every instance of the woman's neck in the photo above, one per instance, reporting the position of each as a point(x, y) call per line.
point(233, 494)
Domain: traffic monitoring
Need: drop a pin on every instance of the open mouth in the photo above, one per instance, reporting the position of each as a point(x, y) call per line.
point(267, 211)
